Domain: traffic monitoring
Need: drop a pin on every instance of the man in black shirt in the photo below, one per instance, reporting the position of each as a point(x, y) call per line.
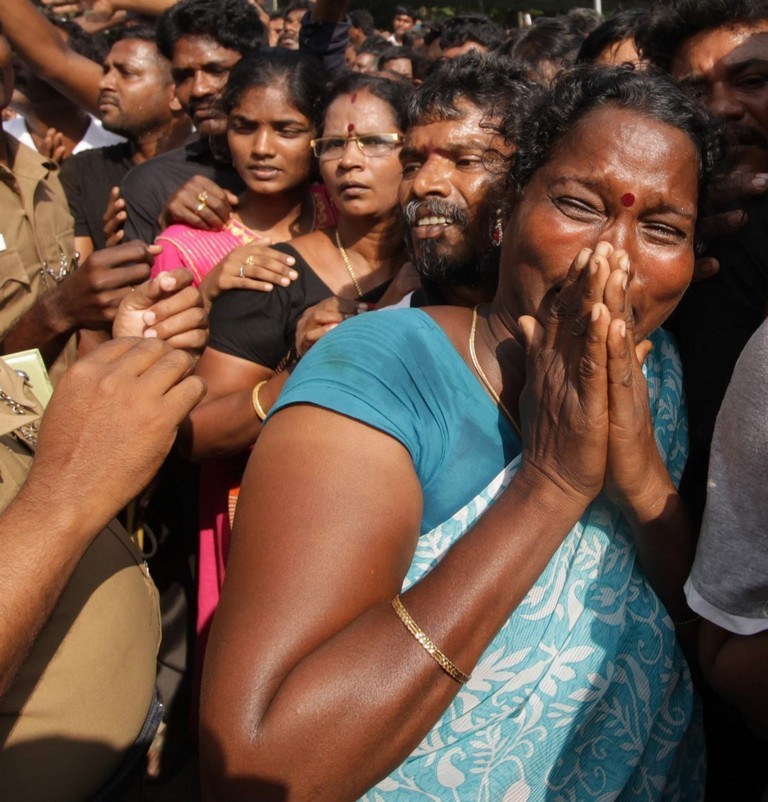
point(203, 41)
point(136, 100)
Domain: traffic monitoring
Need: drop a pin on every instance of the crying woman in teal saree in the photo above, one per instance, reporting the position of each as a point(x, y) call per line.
point(459, 555)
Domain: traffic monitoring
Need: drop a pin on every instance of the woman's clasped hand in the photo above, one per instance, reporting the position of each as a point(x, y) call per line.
point(584, 366)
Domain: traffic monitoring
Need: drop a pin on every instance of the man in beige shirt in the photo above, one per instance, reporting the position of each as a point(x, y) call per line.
point(44, 297)
point(79, 621)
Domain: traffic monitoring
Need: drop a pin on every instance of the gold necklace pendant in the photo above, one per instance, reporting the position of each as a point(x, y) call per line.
point(348, 264)
point(483, 378)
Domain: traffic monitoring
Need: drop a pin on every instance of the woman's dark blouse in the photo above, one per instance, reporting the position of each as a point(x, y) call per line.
point(261, 326)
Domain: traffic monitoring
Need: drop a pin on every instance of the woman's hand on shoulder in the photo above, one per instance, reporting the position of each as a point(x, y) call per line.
point(564, 403)
point(255, 266)
point(199, 203)
point(316, 321)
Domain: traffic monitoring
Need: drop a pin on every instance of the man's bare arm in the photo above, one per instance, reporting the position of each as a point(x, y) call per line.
point(112, 419)
point(38, 42)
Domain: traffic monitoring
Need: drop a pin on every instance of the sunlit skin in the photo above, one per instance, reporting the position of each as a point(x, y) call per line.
point(358, 184)
point(460, 50)
point(136, 90)
point(579, 199)
point(365, 62)
point(459, 161)
point(200, 69)
point(728, 69)
point(269, 141)
point(399, 66)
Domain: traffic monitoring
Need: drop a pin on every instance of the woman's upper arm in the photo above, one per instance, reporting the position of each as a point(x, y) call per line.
point(225, 374)
point(326, 527)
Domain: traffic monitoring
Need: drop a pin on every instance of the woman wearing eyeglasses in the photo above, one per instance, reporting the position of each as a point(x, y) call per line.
point(252, 333)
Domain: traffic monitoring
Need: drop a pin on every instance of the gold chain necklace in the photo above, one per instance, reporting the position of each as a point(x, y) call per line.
point(348, 264)
point(483, 378)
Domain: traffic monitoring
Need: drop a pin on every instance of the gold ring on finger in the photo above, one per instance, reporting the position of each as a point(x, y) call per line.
point(250, 261)
point(203, 198)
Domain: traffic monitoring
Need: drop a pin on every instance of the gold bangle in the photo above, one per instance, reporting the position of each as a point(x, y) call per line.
point(257, 407)
point(444, 662)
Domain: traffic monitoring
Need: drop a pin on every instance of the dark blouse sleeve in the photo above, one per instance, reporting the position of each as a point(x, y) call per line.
point(260, 326)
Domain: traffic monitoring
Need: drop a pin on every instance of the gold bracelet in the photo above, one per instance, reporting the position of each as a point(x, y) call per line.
point(444, 662)
point(257, 407)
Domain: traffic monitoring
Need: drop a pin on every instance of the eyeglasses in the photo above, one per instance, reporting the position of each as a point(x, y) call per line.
point(372, 145)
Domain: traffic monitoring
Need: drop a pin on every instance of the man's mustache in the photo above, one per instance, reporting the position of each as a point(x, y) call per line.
point(434, 207)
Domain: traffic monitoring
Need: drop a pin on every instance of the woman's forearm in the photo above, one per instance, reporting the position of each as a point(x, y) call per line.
point(230, 424)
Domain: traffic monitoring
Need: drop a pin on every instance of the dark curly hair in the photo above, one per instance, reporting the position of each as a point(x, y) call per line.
point(620, 27)
point(302, 75)
point(234, 24)
point(487, 80)
point(462, 28)
point(586, 88)
point(672, 23)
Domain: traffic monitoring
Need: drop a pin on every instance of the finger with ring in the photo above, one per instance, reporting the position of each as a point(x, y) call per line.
point(203, 198)
point(242, 271)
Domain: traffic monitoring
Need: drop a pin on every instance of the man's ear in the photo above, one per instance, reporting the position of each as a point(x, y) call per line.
point(175, 104)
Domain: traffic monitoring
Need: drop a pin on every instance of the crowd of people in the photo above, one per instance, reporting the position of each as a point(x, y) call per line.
point(405, 437)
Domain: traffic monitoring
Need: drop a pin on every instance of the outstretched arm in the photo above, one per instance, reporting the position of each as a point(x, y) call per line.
point(111, 420)
point(38, 42)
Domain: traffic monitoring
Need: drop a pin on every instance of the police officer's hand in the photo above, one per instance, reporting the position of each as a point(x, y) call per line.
point(89, 297)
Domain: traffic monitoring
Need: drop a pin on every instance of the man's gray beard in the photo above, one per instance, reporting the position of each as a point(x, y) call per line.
point(439, 266)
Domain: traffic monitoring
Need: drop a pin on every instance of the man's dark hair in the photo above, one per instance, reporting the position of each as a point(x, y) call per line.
point(374, 44)
point(672, 23)
point(585, 20)
point(394, 93)
point(394, 52)
point(362, 19)
point(234, 24)
point(586, 88)
point(304, 5)
point(303, 77)
point(553, 39)
point(404, 11)
point(462, 28)
point(622, 26)
point(488, 81)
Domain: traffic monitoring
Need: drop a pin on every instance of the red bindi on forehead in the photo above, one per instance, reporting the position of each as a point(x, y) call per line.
point(350, 128)
point(627, 200)
point(353, 97)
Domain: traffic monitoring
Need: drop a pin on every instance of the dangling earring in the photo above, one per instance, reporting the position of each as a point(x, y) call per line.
point(497, 235)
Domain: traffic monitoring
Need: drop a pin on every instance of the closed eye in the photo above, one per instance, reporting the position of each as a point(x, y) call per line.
point(664, 233)
point(575, 208)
